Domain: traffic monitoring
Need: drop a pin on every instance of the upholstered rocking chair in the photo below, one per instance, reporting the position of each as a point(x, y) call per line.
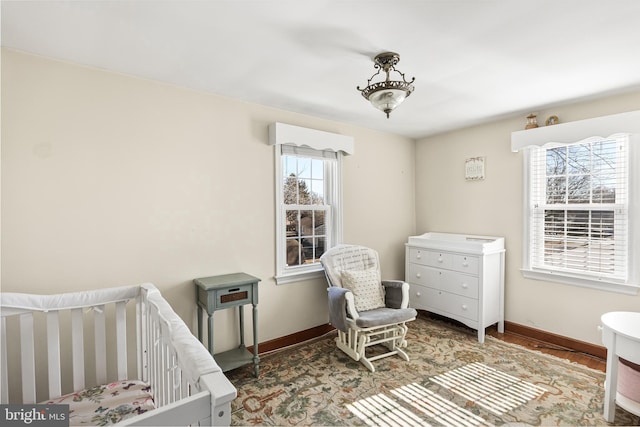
point(364, 309)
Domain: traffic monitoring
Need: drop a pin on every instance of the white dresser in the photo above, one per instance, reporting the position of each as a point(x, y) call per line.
point(458, 276)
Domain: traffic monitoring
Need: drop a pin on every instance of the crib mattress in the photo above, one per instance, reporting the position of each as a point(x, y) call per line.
point(107, 404)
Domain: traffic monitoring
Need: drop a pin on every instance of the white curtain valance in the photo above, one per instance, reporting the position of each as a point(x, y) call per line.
point(564, 133)
point(284, 134)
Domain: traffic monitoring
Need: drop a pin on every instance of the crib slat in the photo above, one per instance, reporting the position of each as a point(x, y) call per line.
point(100, 337)
point(157, 361)
point(141, 338)
point(4, 391)
point(77, 346)
point(121, 337)
point(53, 354)
point(28, 358)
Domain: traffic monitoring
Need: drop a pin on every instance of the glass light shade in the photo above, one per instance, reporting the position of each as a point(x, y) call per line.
point(387, 99)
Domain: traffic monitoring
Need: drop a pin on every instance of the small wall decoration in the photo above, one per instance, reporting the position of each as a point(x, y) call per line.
point(474, 169)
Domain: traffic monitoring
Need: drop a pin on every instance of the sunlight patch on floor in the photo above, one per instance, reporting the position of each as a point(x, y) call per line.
point(440, 409)
point(489, 388)
point(380, 410)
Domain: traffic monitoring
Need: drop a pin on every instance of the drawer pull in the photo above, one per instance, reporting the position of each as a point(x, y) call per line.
point(440, 260)
point(418, 275)
point(417, 294)
point(234, 290)
point(465, 264)
point(464, 307)
point(465, 286)
point(418, 255)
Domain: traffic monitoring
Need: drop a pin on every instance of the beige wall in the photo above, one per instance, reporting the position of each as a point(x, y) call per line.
point(446, 202)
point(112, 180)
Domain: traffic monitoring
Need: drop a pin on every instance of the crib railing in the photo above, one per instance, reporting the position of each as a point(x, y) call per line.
point(187, 385)
point(39, 313)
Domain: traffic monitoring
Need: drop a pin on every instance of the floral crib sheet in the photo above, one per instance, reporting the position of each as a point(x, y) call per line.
point(107, 404)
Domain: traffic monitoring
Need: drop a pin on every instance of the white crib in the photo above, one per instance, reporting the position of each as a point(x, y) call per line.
point(57, 344)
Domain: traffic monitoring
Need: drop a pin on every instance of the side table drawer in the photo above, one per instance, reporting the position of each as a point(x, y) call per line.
point(238, 295)
point(217, 299)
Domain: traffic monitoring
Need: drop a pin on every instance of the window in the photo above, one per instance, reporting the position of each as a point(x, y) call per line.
point(308, 198)
point(307, 204)
point(580, 195)
point(579, 210)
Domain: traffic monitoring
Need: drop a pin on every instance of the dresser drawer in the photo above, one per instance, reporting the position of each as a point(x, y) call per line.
point(418, 256)
point(445, 280)
point(459, 284)
point(444, 303)
point(418, 297)
point(465, 264)
point(422, 275)
point(430, 258)
point(459, 262)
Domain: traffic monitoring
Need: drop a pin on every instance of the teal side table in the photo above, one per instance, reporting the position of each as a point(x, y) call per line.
point(226, 291)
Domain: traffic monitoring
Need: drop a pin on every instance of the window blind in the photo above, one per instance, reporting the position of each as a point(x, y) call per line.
point(579, 209)
point(295, 150)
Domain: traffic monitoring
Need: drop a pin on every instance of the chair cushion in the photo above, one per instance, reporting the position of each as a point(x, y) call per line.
point(366, 286)
point(385, 316)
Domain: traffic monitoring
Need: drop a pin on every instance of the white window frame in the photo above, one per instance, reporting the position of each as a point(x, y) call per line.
point(530, 142)
point(304, 142)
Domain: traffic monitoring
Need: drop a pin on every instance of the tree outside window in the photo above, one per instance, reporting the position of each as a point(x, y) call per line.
point(305, 210)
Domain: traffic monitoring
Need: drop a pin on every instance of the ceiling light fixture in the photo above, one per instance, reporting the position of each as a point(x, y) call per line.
point(386, 95)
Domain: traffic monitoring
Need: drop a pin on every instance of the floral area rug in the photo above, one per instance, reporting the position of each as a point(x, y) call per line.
point(450, 380)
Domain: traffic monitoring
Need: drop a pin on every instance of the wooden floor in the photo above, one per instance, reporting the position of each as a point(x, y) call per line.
point(585, 359)
point(533, 344)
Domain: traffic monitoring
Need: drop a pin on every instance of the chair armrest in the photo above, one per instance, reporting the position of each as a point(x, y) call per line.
point(396, 293)
point(340, 303)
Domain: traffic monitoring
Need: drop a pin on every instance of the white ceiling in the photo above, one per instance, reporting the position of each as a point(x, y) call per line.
point(473, 60)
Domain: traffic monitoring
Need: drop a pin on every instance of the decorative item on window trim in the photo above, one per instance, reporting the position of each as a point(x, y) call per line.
point(532, 121)
point(552, 120)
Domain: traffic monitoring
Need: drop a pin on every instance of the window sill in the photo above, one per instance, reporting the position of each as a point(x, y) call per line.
point(603, 285)
point(299, 276)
